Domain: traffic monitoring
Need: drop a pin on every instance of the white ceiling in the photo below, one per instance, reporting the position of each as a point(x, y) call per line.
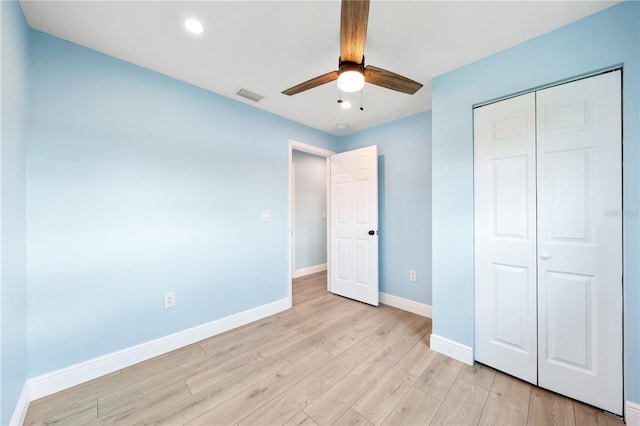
point(268, 46)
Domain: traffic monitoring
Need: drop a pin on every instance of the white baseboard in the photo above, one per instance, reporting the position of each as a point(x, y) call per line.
point(452, 349)
point(310, 270)
point(22, 406)
point(64, 378)
point(632, 414)
point(406, 304)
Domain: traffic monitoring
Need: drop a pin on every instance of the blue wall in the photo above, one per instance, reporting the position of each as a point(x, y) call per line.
point(138, 184)
point(404, 199)
point(310, 203)
point(602, 40)
point(13, 139)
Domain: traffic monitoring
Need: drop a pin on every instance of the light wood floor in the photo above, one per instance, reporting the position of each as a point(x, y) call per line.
point(329, 360)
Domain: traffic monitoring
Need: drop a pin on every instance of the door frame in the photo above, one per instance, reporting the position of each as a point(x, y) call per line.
point(320, 152)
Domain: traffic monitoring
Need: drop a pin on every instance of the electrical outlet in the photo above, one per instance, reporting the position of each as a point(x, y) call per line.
point(412, 276)
point(170, 299)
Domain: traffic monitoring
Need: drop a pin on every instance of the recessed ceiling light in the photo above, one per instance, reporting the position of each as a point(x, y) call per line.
point(194, 26)
point(345, 105)
point(342, 126)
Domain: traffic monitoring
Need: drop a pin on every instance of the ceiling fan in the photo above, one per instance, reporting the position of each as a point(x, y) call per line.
point(352, 72)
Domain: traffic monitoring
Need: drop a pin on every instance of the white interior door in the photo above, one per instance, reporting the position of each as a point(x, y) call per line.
point(354, 225)
point(580, 240)
point(505, 236)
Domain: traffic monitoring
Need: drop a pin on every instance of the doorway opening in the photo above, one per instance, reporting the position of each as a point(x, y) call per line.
point(309, 211)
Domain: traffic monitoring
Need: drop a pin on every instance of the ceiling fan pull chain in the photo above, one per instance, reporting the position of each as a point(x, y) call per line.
point(361, 102)
point(339, 96)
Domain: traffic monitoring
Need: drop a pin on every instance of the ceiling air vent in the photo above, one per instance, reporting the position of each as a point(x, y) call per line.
point(250, 95)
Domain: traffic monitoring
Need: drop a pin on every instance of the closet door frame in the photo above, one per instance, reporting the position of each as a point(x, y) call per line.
point(614, 402)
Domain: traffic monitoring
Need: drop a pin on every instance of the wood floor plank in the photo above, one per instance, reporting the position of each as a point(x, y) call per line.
point(147, 380)
point(351, 417)
point(327, 300)
point(439, 376)
point(79, 414)
point(307, 313)
point(211, 397)
point(299, 325)
point(299, 396)
point(387, 331)
point(420, 326)
point(331, 405)
point(293, 337)
point(245, 338)
point(204, 376)
point(382, 361)
point(234, 409)
point(463, 405)
point(328, 336)
point(376, 404)
point(549, 408)
point(165, 362)
point(358, 332)
point(416, 408)
point(300, 419)
point(380, 400)
point(508, 402)
point(74, 398)
point(115, 401)
point(586, 415)
point(417, 359)
point(478, 374)
point(144, 407)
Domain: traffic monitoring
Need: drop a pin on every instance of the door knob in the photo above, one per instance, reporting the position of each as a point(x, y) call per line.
point(544, 255)
point(372, 232)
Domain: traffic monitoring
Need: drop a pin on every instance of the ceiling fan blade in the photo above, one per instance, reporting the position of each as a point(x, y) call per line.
point(390, 80)
point(353, 29)
point(310, 84)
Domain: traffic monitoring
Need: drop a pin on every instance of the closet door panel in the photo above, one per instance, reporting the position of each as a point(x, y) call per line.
point(505, 236)
point(580, 240)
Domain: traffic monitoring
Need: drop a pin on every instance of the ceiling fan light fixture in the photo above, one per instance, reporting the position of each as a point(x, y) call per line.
point(194, 26)
point(351, 81)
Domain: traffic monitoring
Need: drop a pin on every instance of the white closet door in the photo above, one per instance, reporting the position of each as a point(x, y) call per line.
point(505, 236)
point(580, 240)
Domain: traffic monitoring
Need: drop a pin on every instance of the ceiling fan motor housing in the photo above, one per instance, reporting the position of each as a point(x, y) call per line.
point(344, 66)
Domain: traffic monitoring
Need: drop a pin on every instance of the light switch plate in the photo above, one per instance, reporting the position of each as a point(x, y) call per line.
point(266, 215)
